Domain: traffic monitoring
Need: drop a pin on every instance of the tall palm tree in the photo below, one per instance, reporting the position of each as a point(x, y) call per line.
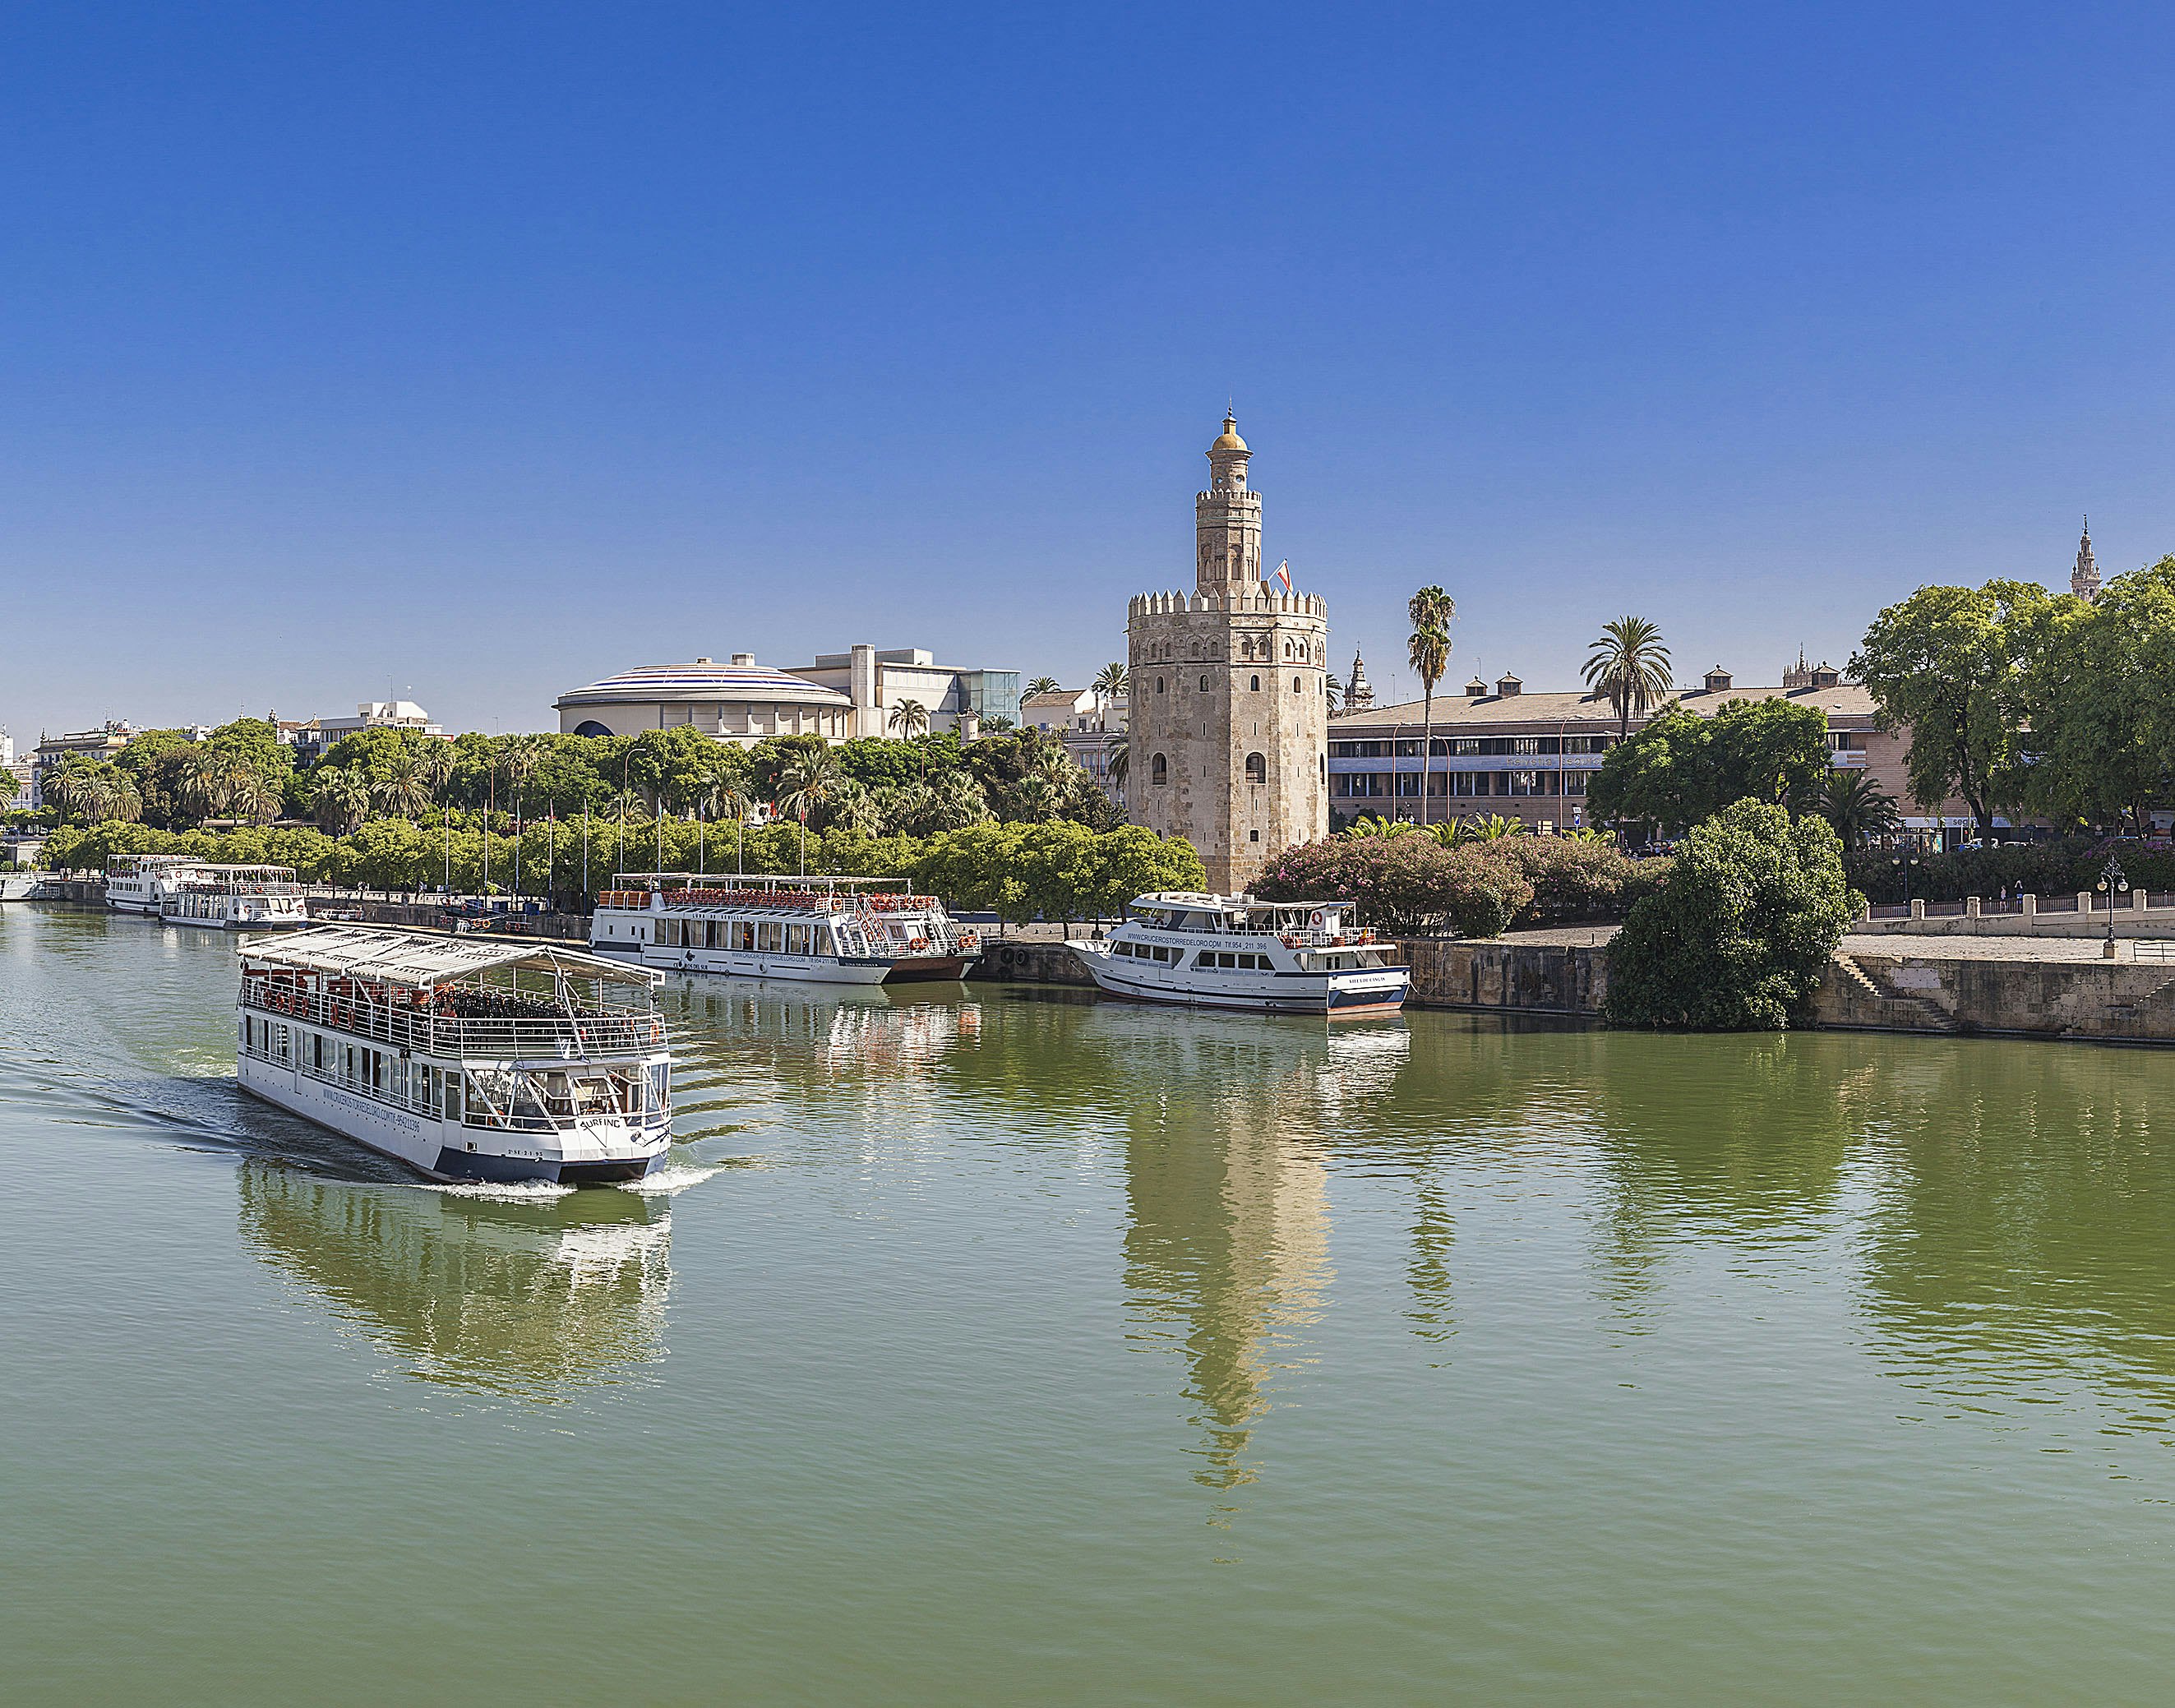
point(206, 776)
point(728, 795)
point(1112, 683)
point(1120, 750)
point(1428, 651)
point(253, 797)
point(806, 783)
point(1042, 684)
point(72, 788)
point(910, 722)
point(1630, 666)
point(124, 800)
point(343, 798)
point(406, 791)
point(1858, 808)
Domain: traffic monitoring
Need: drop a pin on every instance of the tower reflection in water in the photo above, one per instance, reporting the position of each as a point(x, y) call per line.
point(1227, 1254)
point(533, 1299)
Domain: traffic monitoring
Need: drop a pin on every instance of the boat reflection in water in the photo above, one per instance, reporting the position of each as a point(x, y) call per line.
point(532, 1298)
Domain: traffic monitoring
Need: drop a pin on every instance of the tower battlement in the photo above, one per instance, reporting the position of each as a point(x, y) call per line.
point(1303, 605)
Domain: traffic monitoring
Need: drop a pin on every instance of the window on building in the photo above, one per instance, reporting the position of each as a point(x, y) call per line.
point(1204, 685)
point(1158, 771)
point(1254, 684)
point(1253, 836)
point(1296, 687)
point(1158, 685)
point(1257, 769)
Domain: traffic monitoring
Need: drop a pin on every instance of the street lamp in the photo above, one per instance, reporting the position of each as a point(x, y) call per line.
point(2111, 884)
point(1905, 860)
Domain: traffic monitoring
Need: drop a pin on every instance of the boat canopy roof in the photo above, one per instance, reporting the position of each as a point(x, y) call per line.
point(422, 959)
point(767, 880)
point(1166, 900)
point(244, 871)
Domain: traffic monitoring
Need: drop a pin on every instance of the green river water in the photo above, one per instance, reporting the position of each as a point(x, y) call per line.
point(993, 1347)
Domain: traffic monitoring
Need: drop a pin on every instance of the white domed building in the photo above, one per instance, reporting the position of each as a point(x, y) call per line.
point(741, 702)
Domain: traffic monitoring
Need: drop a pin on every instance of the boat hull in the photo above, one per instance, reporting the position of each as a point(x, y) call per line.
point(1336, 997)
point(442, 1150)
point(796, 969)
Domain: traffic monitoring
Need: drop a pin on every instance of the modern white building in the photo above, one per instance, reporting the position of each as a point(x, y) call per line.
point(839, 697)
point(311, 740)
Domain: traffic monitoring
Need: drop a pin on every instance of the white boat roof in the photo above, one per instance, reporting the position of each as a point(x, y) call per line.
point(1229, 904)
point(243, 871)
point(420, 959)
point(775, 881)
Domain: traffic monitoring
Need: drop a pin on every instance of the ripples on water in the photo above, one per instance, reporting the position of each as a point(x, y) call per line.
point(1512, 1358)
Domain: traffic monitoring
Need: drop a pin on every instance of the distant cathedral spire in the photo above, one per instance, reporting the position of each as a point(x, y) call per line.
point(1359, 696)
point(2085, 578)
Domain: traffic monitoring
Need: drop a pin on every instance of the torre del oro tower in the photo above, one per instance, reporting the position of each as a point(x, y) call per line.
point(1228, 692)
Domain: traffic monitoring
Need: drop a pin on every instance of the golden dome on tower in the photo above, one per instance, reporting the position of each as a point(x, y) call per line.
point(1230, 441)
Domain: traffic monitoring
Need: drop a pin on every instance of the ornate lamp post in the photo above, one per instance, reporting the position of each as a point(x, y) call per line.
point(2111, 884)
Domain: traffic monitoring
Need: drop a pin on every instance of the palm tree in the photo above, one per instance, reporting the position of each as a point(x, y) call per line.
point(1377, 826)
point(1428, 651)
point(1495, 827)
point(406, 791)
point(1120, 750)
point(1334, 690)
point(343, 798)
point(1451, 833)
point(1857, 808)
point(726, 795)
point(206, 778)
point(72, 788)
point(1042, 684)
point(1630, 666)
point(1112, 683)
point(254, 798)
point(434, 765)
point(910, 722)
point(805, 784)
point(124, 799)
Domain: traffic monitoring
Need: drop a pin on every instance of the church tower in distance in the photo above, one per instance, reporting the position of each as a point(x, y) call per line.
point(1230, 699)
point(2085, 578)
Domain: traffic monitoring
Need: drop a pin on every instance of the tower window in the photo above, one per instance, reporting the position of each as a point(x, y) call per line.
point(1254, 683)
point(1295, 686)
point(1204, 685)
point(1158, 771)
point(1257, 769)
point(1158, 685)
point(1253, 836)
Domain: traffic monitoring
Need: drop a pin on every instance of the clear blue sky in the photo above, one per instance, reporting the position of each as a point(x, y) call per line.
point(484, 350)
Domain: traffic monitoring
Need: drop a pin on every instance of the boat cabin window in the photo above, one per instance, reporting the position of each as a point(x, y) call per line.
point(667, 933)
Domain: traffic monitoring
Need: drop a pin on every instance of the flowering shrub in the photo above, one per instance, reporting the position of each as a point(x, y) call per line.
point(1473, 887)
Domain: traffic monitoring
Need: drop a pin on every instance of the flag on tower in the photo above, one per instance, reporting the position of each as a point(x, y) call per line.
point(1283, 574)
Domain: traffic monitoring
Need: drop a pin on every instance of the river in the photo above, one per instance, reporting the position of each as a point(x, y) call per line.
point(995, 1347)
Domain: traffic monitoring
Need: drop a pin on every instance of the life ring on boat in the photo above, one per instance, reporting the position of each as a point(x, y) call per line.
point(918, 944)
point(1314, 919)
point(1292, 939)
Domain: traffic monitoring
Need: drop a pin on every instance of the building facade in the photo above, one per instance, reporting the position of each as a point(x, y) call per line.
point(311, 738)
point(839, 697)
point(1090, 723)
point(1229, 702)
point(1496, 749)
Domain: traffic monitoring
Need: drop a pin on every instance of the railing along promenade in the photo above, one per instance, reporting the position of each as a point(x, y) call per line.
point(421, 1032)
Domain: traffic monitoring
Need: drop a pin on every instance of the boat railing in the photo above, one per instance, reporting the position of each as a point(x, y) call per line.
point(421, 1031)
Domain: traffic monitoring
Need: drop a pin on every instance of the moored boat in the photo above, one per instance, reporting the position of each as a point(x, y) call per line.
point(1233, 952)
point(140, 883)
point(233, 898)
point(824, 930)
point(440, 1052)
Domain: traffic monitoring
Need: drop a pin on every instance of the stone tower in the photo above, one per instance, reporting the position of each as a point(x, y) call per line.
point(1229, 739)
point(2085, 578)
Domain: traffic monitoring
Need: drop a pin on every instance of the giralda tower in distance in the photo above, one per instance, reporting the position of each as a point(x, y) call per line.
point(1228, 692)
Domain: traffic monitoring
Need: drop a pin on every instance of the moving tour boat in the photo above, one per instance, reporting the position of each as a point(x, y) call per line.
point(137, 883)
point(1233, 952)
point(829, 930)
point(437, 1051)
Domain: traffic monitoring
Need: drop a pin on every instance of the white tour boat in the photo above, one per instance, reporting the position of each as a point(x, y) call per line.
point(828, 930)
point(138, 883)
point(435, 1051)
point(233, 898)
point(1233, 952)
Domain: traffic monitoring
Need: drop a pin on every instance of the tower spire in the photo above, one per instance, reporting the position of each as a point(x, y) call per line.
point(2085, 578)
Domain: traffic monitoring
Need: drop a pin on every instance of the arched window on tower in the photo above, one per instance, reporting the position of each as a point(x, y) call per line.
point(1296, 689)
point(1257, 769)
point(1158, 685)
point(1204, 685)
point(1254, 684)
point(1158, 771)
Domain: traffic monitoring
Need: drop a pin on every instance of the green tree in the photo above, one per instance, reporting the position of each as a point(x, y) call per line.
point(342, 798)
point(1042, 684)
point(1427, 650)
point(1737, 934)
point(1112, 684)
point(910, 722)
point(1947, 664)
point(1629, 665)
point(1682, 767)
